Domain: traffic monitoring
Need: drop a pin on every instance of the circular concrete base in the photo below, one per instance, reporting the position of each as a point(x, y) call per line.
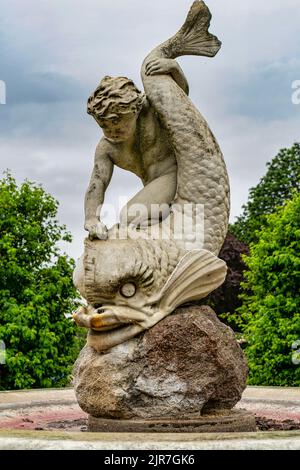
point(225, 421)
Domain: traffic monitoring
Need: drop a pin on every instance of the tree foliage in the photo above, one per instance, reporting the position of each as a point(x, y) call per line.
point(271, 301)
point(277, 186)
point(36, 289)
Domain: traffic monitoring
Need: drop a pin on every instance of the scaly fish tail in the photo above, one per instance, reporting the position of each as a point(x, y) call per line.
point(193, 38)
point(202, 179)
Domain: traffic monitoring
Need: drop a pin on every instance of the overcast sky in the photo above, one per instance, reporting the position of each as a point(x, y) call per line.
point(53, 54)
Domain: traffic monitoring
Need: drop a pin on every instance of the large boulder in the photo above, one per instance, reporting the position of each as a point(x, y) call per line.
point(186, 365)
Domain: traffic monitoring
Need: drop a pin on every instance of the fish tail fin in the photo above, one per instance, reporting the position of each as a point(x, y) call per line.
point(193, 38)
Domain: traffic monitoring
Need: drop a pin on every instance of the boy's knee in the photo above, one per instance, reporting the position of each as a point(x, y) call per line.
point(134, 214)
point(143, 215)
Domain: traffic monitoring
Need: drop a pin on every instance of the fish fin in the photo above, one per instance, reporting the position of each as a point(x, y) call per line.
point(197, 274)
point(193, 38)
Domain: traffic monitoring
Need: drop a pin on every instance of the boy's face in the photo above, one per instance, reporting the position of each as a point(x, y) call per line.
point(119, 129)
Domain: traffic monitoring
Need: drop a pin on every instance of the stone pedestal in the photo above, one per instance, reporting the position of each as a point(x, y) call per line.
point(185, 374)
point(221, 421)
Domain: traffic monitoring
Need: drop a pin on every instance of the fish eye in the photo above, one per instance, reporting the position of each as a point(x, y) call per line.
point(128, 290)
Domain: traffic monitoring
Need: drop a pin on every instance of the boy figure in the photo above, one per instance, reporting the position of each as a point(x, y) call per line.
point(134, 140)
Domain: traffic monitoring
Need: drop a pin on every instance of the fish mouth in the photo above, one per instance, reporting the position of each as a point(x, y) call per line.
point(118, 324)
point(113, 325)
point(107, 328)
point(106, 318)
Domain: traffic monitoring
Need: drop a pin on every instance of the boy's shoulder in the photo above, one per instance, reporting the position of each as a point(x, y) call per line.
point(105, 148)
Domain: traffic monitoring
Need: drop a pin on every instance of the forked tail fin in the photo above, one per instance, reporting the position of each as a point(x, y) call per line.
point(193, 38)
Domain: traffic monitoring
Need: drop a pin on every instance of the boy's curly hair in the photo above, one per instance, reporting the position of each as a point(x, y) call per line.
point(115, 96)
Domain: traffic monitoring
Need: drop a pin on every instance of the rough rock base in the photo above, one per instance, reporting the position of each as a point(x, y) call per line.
point(230, 421)
point(188, 365)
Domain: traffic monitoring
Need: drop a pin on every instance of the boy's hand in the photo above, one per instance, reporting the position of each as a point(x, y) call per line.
point(96, 229)
point(161, 66)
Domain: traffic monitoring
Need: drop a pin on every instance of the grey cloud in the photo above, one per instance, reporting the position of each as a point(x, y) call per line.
point(53, 54)
point(265, 92)
point(45, 87)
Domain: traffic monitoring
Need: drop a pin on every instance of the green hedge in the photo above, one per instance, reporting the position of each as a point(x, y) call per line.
point(271, 299)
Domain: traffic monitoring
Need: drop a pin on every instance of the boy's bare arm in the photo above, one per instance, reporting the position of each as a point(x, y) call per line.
point(94, 198)
point(161, 66)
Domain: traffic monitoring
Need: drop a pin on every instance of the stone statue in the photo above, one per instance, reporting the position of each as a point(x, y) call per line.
point(130, 284)
point(152, 363)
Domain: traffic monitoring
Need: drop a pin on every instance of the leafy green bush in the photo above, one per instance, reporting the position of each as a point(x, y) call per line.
point(36, 290)
point(276, 187)
point(271, 300)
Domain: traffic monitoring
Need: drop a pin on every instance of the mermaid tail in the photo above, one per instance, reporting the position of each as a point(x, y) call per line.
point(193, 38)
point(202, 179)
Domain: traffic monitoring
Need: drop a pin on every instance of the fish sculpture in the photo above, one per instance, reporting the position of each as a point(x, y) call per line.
point(132, 282)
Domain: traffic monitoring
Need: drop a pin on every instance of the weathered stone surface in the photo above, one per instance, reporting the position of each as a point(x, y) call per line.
point(186, 365)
